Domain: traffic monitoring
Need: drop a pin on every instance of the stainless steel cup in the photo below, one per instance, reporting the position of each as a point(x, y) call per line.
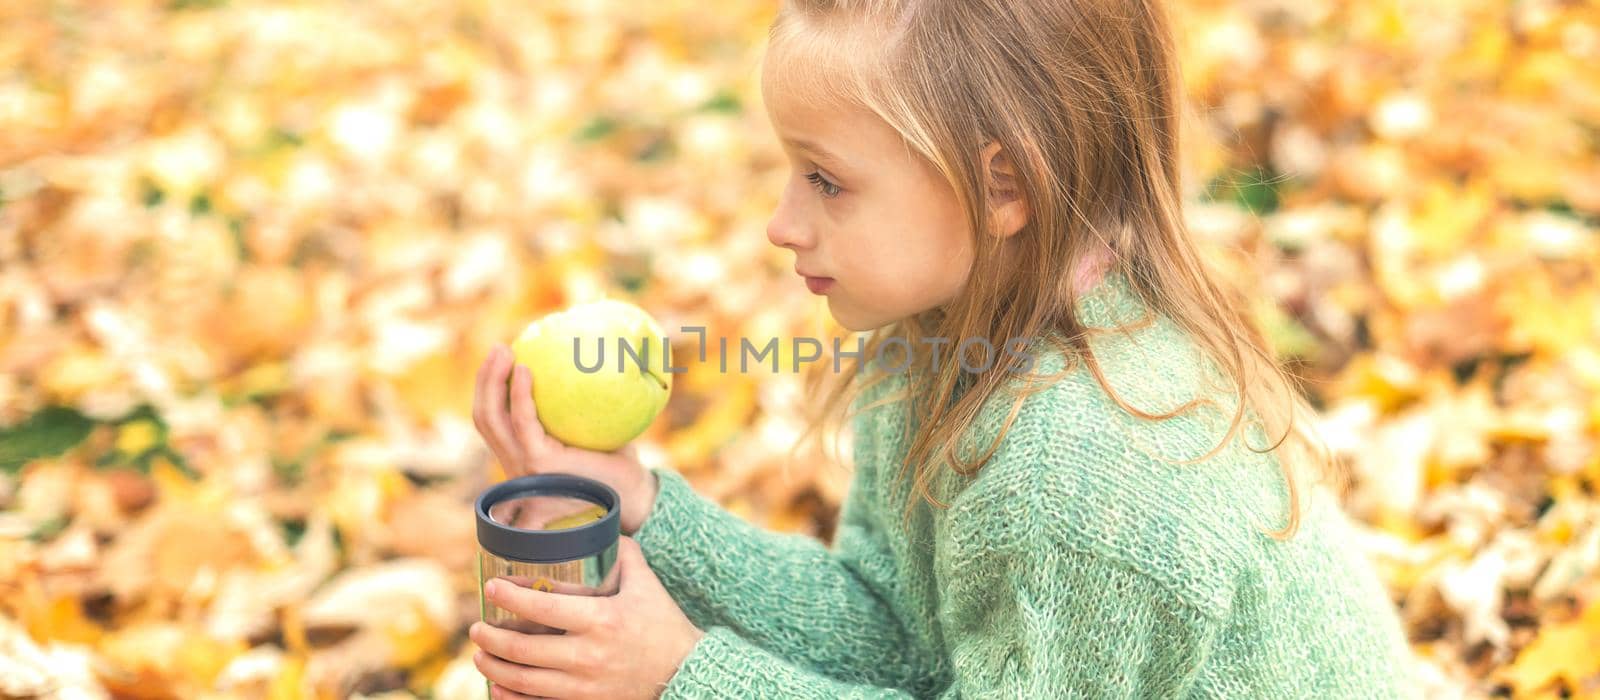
point(553, 532)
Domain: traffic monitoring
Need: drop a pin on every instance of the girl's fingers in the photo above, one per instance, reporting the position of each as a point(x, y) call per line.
point(524, 418)
point(525, 679)
point(573, 613)
point(480, 396)
point(483, 408)
point(557, 651)
point(498, 693)
point(494, 408)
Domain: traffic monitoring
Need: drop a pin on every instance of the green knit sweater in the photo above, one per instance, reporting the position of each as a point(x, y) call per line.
point(1076, 563)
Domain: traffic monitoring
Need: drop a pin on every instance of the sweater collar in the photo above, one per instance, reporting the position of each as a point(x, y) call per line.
point(1111, 302)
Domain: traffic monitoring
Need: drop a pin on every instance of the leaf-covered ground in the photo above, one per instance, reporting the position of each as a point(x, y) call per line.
point(252, 253)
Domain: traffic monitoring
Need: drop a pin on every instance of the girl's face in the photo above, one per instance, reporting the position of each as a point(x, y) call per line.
point(866, 213)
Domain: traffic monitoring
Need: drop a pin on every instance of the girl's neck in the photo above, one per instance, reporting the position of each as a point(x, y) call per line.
point(1091, 269)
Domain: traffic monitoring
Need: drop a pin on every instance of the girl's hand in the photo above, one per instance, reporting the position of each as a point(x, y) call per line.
point(520, 443)
point(624, 646)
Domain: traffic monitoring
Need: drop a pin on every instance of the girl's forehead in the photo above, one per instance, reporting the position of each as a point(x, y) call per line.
point(813, 68)
point(810, 96)
point(843, 137)
point(795, 115)
point(798, 113)
point(790, 90)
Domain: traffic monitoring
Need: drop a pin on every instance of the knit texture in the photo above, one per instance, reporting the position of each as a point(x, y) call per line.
point(1077, 563)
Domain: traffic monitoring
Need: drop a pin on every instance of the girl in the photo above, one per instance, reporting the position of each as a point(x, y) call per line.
point(1132, 508)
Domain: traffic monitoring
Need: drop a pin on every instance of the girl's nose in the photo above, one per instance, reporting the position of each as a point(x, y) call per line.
point(785, 229)
point(782, 233)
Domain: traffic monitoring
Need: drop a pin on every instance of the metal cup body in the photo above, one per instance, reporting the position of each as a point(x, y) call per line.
point(591, 575)
point(525, 537)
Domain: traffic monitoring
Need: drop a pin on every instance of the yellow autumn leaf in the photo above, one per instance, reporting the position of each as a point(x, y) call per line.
point(135, 437)
point(1388, 381)
point(261, 378)
point(290, 683)
point(413, 636)
point(439, 382)
point(1562, 651)
point(60, 618)
point(155, 655)
point(79, 369)
point(1448, 215)
point(1542, 318)
point(361, 497)
point(719, 421)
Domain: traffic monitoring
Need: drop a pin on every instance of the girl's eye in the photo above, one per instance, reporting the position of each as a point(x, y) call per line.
point(827, 189)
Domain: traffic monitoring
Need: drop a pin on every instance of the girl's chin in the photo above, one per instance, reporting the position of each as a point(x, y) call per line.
point(843, 316)
point(854, 321)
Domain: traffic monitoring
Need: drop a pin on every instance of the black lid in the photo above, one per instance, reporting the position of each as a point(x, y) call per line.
point(547, 546)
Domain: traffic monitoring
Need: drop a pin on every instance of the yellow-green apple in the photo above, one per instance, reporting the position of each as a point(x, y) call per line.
point(581, 401)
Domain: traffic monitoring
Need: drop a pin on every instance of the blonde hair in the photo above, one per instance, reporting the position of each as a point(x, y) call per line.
point(1084, 98)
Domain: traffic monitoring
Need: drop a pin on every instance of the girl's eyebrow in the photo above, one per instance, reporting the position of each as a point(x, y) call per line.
point(817, 150)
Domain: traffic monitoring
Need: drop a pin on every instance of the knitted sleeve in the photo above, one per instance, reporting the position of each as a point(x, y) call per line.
point(1024, 616)
point(1060, 622)
point(787, 593)
point(1031, 607)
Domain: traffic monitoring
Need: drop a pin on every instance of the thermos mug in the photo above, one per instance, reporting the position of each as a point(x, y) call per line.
point(552, 532)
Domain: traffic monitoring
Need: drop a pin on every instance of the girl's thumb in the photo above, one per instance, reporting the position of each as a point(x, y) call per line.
point(630, 560)
point(628, 548)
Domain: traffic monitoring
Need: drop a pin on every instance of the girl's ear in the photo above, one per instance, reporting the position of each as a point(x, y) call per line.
point(1009, 209)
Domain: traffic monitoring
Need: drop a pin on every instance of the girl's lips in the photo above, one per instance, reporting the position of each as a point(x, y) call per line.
point(819, 285)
